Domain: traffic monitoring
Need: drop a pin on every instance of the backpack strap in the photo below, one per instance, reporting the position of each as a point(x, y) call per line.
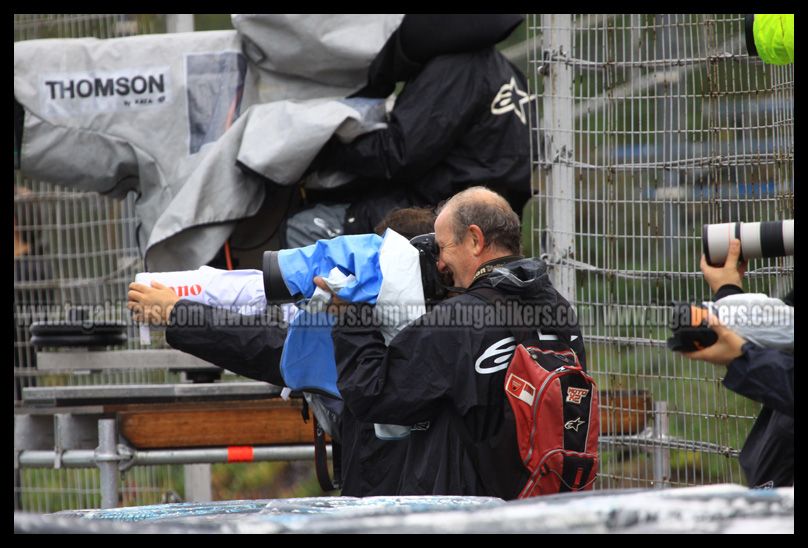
point(321, 459)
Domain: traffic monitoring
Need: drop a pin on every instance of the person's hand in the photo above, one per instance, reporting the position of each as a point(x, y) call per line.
point(151, 304)
point(337, 305)
point(726, 348)
point(731, 273)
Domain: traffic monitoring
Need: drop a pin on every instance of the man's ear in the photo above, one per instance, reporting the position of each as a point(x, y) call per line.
point(477, 239)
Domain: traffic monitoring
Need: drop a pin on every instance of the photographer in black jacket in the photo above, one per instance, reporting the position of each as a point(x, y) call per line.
point(449, 365)
point(761, 374)
point(251, 346)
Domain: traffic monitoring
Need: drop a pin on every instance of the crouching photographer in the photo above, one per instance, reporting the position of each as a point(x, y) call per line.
point(757, 372)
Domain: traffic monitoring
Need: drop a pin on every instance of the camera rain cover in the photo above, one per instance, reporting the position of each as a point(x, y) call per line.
point(387, 273)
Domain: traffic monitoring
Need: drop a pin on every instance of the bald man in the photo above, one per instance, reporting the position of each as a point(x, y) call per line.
point(445, 373)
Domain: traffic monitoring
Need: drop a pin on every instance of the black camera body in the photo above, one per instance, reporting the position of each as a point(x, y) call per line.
point(434, 287)
point(691, 329)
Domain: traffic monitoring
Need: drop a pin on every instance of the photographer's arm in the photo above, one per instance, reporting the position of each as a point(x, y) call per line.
point(728, 346)
point(250, 346)
point(764, 375)
point(393, 385)
point(761, 374)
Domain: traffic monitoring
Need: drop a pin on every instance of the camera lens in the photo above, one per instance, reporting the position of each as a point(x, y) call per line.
point(764, 239)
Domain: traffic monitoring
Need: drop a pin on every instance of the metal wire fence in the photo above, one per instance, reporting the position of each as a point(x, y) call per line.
point(646, 127)
point(77, 248)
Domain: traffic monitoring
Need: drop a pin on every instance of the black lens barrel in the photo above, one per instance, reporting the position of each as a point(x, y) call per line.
point(274, 286)
point(772, 243)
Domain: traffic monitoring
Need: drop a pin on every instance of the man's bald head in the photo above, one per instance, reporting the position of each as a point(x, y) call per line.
point(488, 210)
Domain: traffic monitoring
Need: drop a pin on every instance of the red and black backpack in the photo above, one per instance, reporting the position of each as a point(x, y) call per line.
point(548, 439)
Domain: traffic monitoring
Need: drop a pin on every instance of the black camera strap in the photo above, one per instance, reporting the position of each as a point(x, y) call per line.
point(486, 268)
point(321, 453)
point(321, 459)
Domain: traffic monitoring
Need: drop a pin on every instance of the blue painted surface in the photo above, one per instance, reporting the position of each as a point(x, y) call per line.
point(287, 511)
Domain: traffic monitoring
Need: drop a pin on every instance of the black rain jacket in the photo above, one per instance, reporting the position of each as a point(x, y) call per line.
point(251, 346)
point(766, 376)
point(448, 366)
point(461, 120)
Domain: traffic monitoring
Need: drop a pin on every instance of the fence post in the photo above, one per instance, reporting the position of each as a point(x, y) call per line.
point(197, 476)
point(662, 457)
point(106, 458)
point(197, 483)
point(180, 22)
point(558, 116)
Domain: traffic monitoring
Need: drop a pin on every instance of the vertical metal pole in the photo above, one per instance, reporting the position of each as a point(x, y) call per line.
point(558, 109)
point(197, 476)
point(106, 457)
point(662, 458)
point(17, 482)
point(197, 483)
point(180, 22)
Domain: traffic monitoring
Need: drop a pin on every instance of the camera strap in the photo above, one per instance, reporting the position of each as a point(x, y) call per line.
point(321, 459)
point(489, 267)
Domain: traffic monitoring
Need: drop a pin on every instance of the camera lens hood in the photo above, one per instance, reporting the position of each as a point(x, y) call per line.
point(274, 286)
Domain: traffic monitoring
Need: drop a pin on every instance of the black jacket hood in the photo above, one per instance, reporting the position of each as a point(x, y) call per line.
point(424, 36)
point(523, 278)
point(527, 281)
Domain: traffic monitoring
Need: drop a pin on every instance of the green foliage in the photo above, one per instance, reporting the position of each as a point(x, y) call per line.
point(212, 21)
point(265, 480)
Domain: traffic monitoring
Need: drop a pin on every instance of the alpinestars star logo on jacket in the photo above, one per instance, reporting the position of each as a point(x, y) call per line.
point(501, 356)
point(504, 101)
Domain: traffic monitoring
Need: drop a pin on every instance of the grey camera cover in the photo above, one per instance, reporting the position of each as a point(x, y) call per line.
point(167, 116)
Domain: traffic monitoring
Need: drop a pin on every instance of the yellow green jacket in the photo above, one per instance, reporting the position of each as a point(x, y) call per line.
point(771, 36)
